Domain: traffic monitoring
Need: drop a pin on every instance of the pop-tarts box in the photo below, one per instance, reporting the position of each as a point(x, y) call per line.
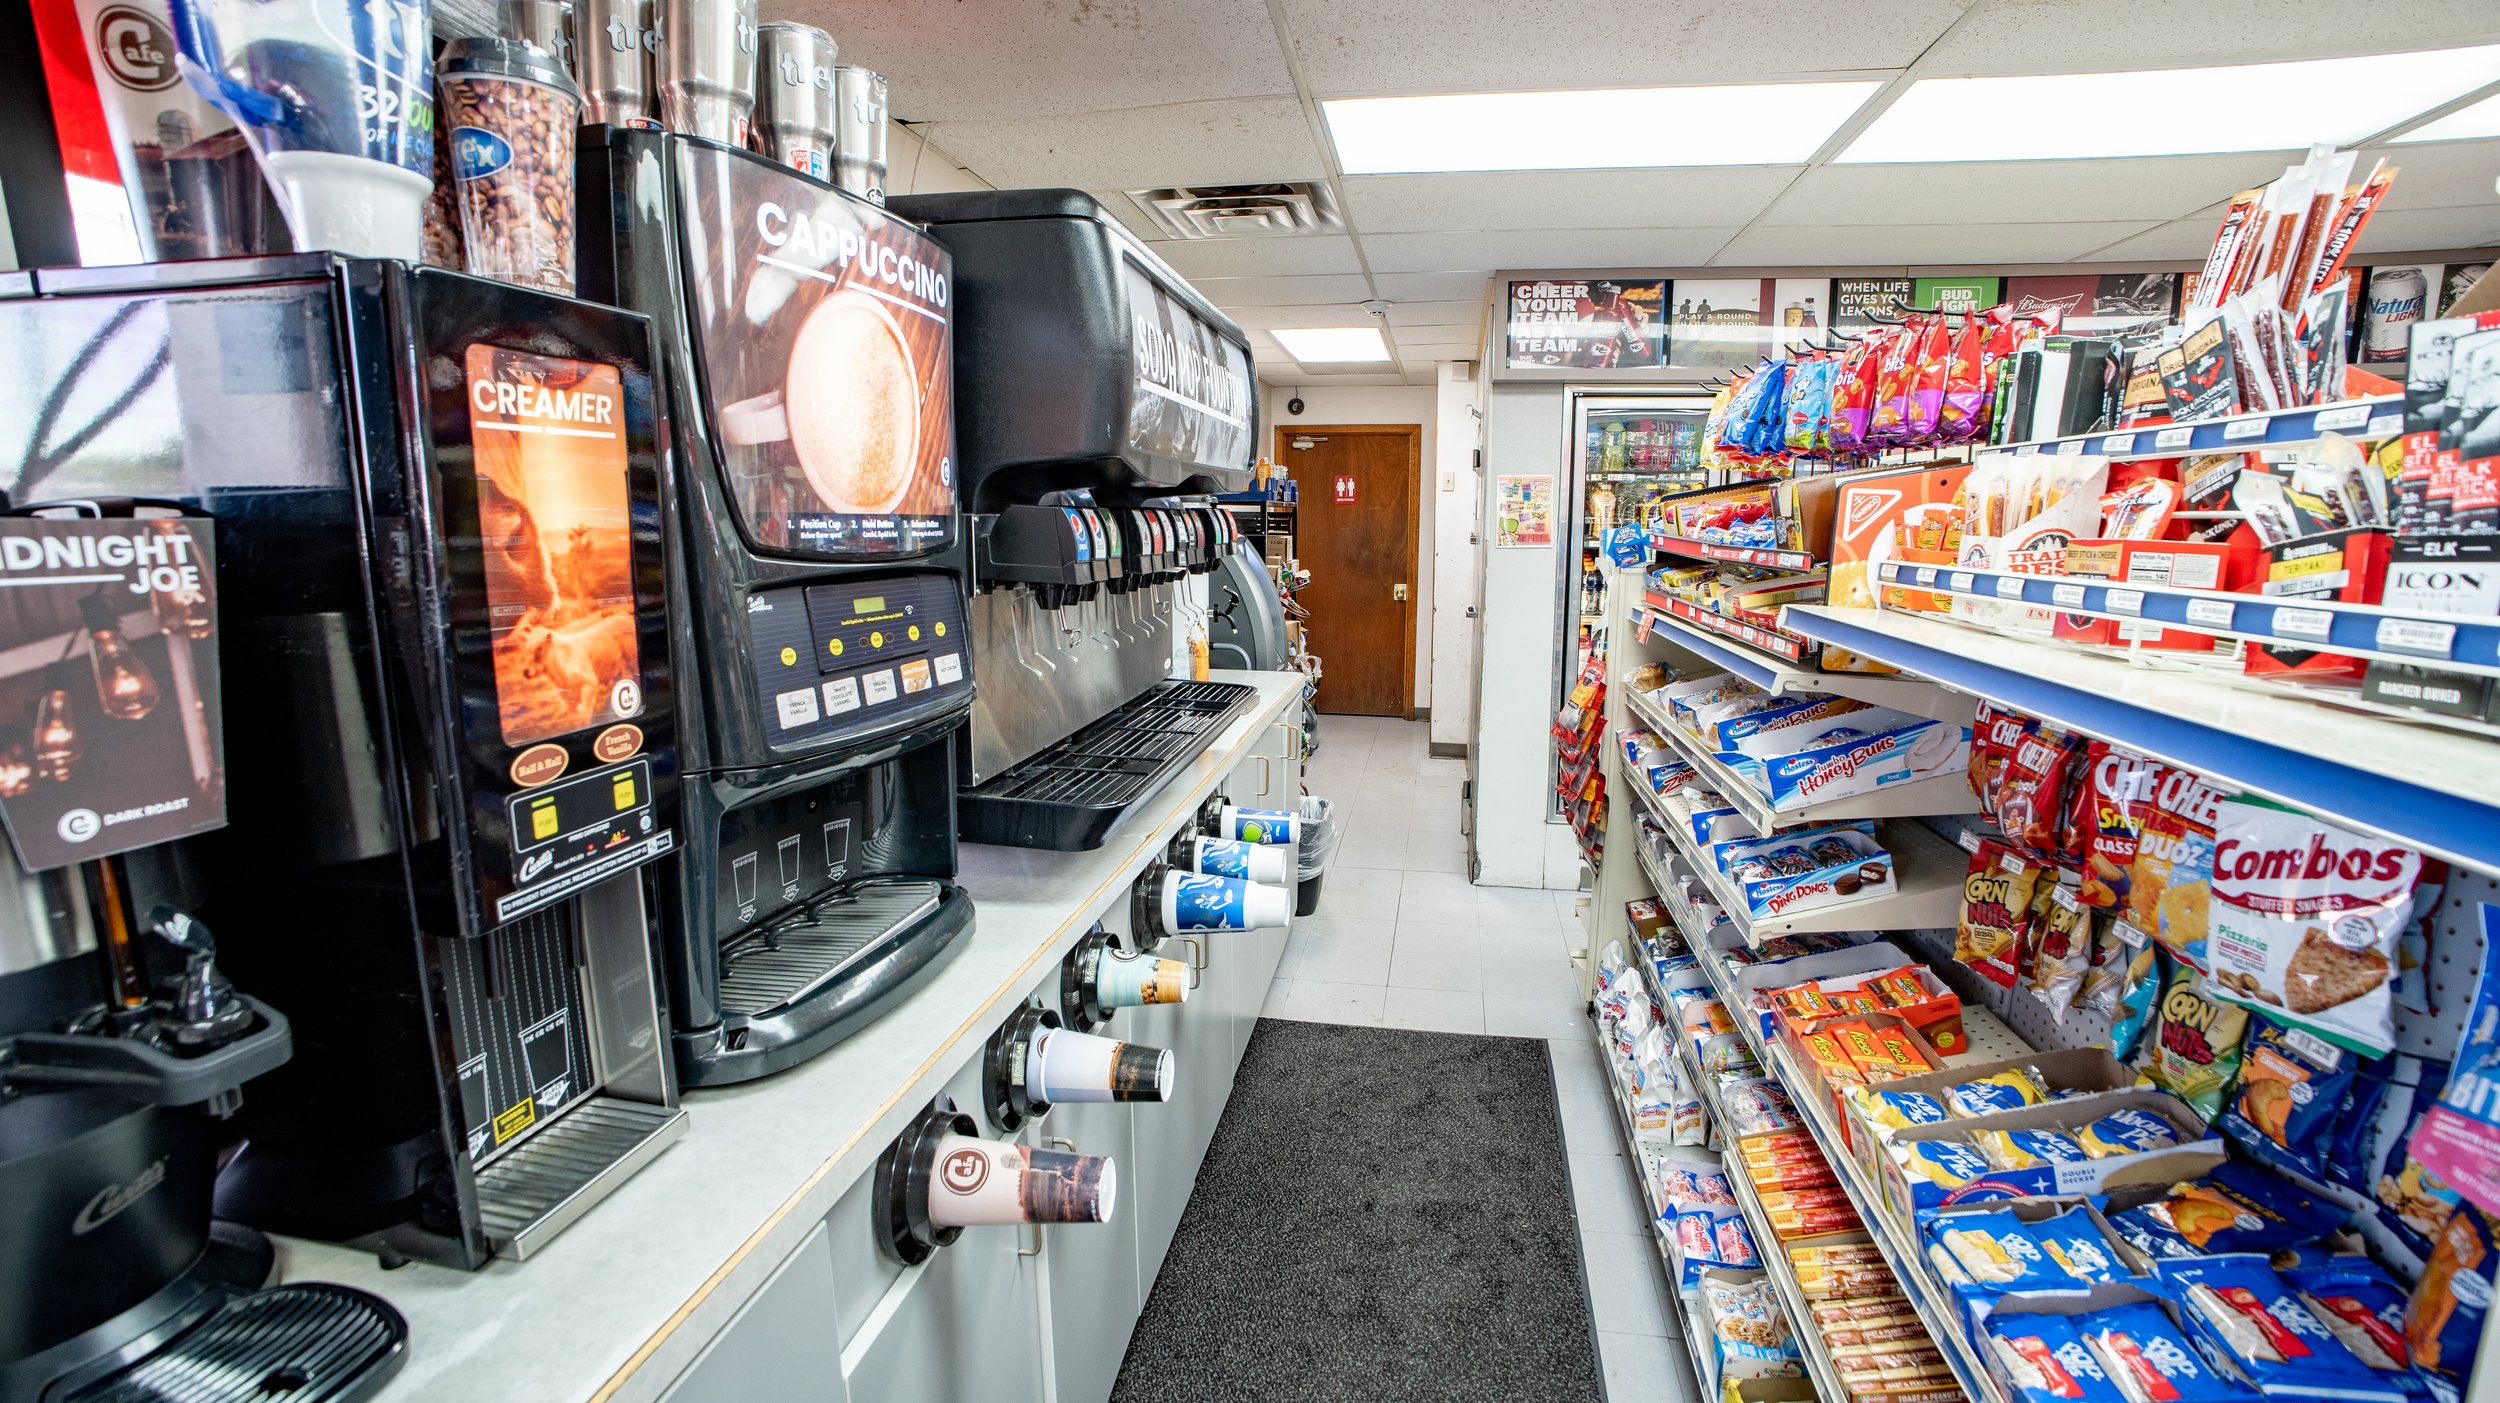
point(1856, 752)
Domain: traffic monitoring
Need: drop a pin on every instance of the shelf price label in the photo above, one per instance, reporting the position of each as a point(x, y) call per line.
point(1962, 582)
point(2066, 596)
point(2386, 426)
point(2123, 601)
point(1926, 574)
point(2179, 437)
point(2022, 450)
point(2117, 445)
point(2209, 613)
point(2342, 416)
point(2313, 624)
point(2424, 638)
point(2237, 429)
point(1892, 572)
point(2070, 447)
point(2009, 588)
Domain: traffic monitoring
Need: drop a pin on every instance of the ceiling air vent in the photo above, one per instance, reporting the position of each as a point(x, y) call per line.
point(1241, 211)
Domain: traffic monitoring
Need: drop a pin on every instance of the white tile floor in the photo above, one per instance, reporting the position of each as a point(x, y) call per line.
point(1402, 940)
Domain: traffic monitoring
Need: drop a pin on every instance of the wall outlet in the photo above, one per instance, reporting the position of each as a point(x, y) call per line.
point(1449, 482)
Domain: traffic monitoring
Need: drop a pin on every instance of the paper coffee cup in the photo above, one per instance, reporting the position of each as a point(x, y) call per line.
point(997, 1182)
point(1137, 981)
point(1192, 902)
point(1272, 826)
point(1227, 857)
point(1067, 1066)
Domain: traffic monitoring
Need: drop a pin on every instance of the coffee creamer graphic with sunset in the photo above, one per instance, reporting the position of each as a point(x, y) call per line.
point(556, 530)
point(825, 331)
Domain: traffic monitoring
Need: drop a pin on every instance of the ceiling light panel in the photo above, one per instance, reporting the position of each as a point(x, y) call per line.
point(1332, 345)
point(2464, 124)
point(1602, 129)
point(2168, 112)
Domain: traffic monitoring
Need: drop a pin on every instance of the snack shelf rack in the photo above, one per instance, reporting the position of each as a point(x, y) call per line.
point(1947, 793)
point(1670, 892)
point(1741, 555)
point(2416, 783)
point(2377, 416)
point(2448, 642)
point(1774, 1255)
point(1636, 1157)
point(1934, 1305)
point(1775, 649)
point(1927, 876)
point(1787, 679)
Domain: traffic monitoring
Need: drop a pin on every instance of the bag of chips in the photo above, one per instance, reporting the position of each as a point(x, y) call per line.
point(2138, 985)
point(2236, 1207)
point(2031, 795)
point(2444, 1321)
point(2059, 951)
point(1965, 384)
point(2195, 1052)
point(1996, 910)
point(2121, 784)
point(2169, 885)
point(1933, 366)
point(2293, 1085)
point(2309, 914)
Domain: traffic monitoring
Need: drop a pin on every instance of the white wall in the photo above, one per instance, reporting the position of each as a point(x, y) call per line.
point(1457, 553)
point(1376, 404)
point(1515, 845)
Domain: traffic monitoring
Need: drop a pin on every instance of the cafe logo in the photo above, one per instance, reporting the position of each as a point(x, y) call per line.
point(965, 1171)
point(113, 1198)
point(138, 49)
point(477, 153)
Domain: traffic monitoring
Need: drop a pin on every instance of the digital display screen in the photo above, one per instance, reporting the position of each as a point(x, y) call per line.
point(873, 604)
point(556, 529)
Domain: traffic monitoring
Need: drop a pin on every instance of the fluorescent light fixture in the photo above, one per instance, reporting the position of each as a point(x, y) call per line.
point(2170, 111)
point(1326, 345)
point(1754, 124)
point(2464, 124)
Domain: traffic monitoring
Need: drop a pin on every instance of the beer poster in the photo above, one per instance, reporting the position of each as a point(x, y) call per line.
point(1955, 294)
point(2094, 304)
point(2395, 297)
point(1587, 324)
point(2458, 280)
point(110, 725)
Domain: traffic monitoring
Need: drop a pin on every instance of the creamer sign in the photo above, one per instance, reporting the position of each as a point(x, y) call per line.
point(504, 399)
point(154, 561)
point(827, 244)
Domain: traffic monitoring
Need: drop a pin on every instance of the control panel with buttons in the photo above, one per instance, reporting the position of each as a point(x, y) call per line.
point(832, 659)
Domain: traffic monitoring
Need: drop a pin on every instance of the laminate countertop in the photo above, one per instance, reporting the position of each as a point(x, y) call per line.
point(618, 1304)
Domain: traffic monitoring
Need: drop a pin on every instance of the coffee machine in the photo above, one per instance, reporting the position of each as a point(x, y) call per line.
point(450, 733)
point(808, 339)
point(1103, 401)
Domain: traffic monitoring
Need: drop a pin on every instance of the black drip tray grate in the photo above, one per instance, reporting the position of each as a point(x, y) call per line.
point(1068, 797)
point(307, 1343)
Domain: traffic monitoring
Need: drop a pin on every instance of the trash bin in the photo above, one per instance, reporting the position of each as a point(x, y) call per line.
point(1319, 843)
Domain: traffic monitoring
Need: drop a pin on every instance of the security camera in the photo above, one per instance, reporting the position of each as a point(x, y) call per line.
point(1377, 307)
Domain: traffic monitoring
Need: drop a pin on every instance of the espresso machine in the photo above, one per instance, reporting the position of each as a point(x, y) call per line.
point(1103, 401)
point(808, 340)
point(450, 736)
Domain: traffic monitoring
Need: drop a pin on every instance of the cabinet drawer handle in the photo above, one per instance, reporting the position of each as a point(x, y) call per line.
point(1197, 958)
point(1267, 776)
point(1068, 1145)
point(1038, 1242)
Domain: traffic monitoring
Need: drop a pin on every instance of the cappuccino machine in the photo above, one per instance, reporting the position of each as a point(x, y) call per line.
point(449, 752)
point(1103, 400)
point(809, 340)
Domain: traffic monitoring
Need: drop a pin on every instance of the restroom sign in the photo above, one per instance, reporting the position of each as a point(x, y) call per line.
point(1345, 491)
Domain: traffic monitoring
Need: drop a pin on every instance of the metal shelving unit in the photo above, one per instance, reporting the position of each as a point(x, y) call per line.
point(2375, 417)
point(1941, 794)
point(1774, 1254)
point(1740, 555)
point(1785, 679)
point(1637, 1152)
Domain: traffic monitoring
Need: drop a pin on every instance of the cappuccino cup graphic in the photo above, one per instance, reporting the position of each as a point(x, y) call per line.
point(848, 407)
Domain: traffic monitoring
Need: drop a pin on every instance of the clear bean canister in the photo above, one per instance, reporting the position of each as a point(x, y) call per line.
point(511, 111)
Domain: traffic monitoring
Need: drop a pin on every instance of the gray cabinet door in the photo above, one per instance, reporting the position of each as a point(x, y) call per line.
point(1095, 1290)
point(781, 1344)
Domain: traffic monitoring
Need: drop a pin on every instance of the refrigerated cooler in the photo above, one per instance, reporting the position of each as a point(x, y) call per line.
point(1628, 448)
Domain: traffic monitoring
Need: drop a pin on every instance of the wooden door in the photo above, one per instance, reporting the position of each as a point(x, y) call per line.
point(1356, 535)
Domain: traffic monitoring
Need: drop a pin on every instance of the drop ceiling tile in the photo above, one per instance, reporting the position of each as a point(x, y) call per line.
point(1433, 287)
point(1449, 313)
point(1921, 244)
point(1183, 143)
point(2142, 188)
point(1013, 58)
point(2436, 174)
point(1339, 288)
point(2405, 230)
point(2076, 36)
point(1130, 216)
point(1350, 48)
point(1543, 248)
point(2180, 241)
point(1438, 333)
point(1253, 258)
point(1439, 350)
point(1265, 318)
point(1614, 199)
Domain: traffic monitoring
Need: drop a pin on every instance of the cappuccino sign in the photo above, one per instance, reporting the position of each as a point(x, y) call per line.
point(119, 715)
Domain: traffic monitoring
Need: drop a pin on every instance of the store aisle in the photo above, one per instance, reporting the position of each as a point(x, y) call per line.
point(1402, 940)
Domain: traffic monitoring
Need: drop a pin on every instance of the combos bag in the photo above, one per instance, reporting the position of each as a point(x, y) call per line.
point(2306, 916)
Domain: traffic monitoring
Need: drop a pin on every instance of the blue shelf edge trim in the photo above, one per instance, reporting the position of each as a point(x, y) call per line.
point(2377, 417)
point(1694, 640)
point(2448, 824)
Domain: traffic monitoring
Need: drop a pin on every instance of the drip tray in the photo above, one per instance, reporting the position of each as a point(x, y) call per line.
point(531, 1193)
point(1068, 798)
point(307, 1343)
point(784, 963)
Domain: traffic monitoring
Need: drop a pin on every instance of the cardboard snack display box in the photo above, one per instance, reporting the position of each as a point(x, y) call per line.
point(2197, 1151)
point(1856, 752)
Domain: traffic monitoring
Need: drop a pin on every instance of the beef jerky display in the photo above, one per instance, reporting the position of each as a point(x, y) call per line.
point(809, 341)
point(450, 740)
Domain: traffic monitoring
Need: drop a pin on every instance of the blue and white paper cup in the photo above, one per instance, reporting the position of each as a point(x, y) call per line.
point(1266, 826)
point(1194, 902)
point(1228, 857)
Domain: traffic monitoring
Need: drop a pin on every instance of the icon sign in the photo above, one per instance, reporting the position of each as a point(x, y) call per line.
point(1345, 491)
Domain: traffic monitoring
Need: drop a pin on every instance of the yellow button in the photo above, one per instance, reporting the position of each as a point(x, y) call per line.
point(543, 819)
point(834, 646)
point(789, 656)
point(914, 632)
point(941, 628)
point(625, 791)
point(877, 639)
